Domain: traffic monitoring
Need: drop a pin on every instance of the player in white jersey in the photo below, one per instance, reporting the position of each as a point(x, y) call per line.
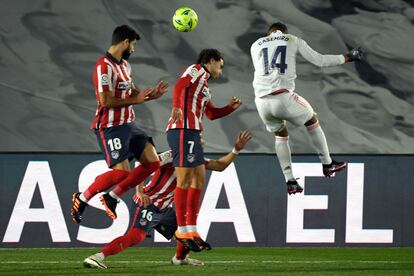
point(274, 60)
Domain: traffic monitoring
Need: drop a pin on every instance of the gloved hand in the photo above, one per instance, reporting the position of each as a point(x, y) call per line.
point(355, 54)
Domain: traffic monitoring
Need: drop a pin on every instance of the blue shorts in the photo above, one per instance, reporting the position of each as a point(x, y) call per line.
point(186, 147)
point(150, 218)
point(121, 142)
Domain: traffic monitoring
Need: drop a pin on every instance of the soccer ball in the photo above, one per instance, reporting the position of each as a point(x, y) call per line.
point(185, 19)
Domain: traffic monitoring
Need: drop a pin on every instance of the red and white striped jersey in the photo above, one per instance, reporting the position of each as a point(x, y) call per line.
point(161, 187)
point(191, 94)
point(114, 76)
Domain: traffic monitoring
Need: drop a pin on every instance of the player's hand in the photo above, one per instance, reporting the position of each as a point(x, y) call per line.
point(235, 103)
point(144, 94)
point(145, 199)
point(242, 139)
point(176, 115)
point(355, 54)
point(160, 89)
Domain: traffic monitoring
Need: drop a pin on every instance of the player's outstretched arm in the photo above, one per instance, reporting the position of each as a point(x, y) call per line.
point(108, 100)
point(214, 113)
point(223, 162)
point(160, 89)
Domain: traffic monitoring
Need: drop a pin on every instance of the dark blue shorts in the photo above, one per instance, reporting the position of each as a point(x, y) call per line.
point(150, 218)
point(121, 142)
point(186, 147)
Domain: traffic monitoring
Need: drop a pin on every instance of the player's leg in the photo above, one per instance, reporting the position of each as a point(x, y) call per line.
point(284, 156)
point(140, 225)
point(113, 143)
point(167, 227)
point(270, 111)
point(193, 205)
point(320, 145)
point(142, 148)
point(186, 147)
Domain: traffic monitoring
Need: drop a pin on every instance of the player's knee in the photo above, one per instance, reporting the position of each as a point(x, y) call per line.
point(152, 166)
point(312, 120)
point(282, 132)
point(135, 236)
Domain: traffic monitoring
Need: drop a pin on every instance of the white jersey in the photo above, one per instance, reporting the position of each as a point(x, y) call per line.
point(274, 60)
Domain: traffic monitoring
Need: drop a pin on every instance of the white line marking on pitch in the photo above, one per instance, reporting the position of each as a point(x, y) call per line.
point(217, 262)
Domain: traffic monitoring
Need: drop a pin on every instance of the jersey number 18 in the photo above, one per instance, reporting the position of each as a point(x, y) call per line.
point(280, 50)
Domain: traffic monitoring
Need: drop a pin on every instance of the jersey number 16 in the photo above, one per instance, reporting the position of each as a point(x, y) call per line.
point(280, 50)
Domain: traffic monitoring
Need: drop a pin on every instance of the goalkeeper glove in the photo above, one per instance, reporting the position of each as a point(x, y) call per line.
point(355, 54)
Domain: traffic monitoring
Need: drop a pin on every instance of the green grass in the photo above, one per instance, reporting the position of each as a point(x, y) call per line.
point(219, 261)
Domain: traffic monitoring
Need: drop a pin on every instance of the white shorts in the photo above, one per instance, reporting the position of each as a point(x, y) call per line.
point(275, 110)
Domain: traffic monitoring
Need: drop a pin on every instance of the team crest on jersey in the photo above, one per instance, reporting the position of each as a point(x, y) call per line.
point(191, 157)
point(143, 222)
point(104, 79)
point(115, 154)
point(194, 72)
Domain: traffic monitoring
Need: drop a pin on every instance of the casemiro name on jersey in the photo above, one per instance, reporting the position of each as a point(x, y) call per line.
point(271, 38)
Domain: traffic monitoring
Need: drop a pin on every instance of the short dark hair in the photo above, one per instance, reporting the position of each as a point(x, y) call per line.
point(207, 54)
point(277, 26)
point(124, 32)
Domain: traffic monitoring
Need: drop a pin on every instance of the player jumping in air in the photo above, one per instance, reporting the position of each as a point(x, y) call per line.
point(191, 100)
point(118, 138)
point(274, 60)
point(152, 209)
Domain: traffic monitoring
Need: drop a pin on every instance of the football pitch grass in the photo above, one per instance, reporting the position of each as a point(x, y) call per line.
point(219, 261)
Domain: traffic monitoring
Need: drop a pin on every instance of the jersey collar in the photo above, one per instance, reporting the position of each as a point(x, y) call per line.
point(111, 57)
point(207, 72)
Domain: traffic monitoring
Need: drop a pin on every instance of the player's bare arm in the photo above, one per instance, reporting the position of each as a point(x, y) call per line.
point(108, 100)
point(223, 162)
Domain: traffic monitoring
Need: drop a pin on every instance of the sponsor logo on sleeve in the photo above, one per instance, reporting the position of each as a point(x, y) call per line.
point(104, 79)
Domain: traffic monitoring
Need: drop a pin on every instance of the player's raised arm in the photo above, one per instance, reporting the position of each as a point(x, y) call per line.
point(327, 60)
point(223, 162)
point(212, 112)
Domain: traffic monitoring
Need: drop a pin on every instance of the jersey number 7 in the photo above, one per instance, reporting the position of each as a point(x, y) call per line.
point(280, 50)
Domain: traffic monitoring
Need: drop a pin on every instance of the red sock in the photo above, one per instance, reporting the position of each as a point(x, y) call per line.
point(180, 202)
point(134, 236)
point(135, 177)
point(104, 182)
point(181, 251)
point(193, 205)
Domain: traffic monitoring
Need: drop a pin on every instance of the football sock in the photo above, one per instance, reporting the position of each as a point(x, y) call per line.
point(284, 155)
point(180, 202)
point(134, 236)
point(135, 177)
point(319, 143)
point(104, 182)
point(181, 252)
point(193, 206)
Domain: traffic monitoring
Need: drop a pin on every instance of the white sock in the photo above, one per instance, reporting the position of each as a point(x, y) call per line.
point(114, 195)
point(192, 228)
point(319, 142)
point(82, 197)
point(182, 229)
point(284, 155)
point(100, 256)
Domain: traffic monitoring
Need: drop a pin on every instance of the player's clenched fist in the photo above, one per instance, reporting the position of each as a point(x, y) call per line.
point(235, 103)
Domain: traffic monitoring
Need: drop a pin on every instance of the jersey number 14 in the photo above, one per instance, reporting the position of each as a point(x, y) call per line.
point(280, 50)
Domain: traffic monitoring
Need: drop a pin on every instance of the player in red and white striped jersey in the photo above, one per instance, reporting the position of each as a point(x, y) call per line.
point(191, 100)
point(152, 208)
point(118, 138)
